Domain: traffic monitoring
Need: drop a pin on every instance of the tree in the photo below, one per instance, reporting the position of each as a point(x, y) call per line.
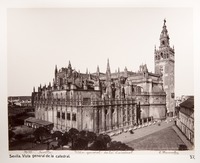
point(19, 136)
point(80, 144)
point(73, 135)
point(91, 136)
point(79, 140)
point(57, 134)
point(82, 133)
point(11, 134)
point(116, 145)
point(101, 142)
point(64, 139)
point(106, 138)
point(40, 133)
point(85, 140)
point(98, 145)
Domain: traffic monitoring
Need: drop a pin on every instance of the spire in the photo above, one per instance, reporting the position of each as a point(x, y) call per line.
point(98, 69)
point(89, 76)
point(56, 70)
point(118, 73)
point(108, 73)
point(33, 89)
point(164, 37)
point(69, 65)
point(86, 70)
point(145, 69)
point(108, 67)
point(164, 30)
point(69, 70)
point(125, 69)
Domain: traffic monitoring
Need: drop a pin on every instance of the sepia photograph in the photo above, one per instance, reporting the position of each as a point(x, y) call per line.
point(100, 79)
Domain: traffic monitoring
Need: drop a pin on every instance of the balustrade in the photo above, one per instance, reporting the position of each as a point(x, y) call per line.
point(109, 102)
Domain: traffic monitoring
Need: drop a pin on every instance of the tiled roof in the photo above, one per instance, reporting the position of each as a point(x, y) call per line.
point(38, 121)
point(154, 74)
point(189, 103)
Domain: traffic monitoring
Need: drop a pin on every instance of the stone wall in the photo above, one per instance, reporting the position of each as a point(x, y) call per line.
point(99, 116)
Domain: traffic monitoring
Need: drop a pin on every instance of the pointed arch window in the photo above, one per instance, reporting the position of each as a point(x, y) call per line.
point(161, 54)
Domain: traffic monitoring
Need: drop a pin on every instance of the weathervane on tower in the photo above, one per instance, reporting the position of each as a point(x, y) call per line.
point(164, 21)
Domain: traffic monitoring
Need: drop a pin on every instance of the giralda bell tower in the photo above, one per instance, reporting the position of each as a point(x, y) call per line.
point(164, 65)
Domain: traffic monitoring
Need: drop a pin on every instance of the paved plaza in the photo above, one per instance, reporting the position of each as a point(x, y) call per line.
point(138, 133)
point(166, 139)
point(155, 137)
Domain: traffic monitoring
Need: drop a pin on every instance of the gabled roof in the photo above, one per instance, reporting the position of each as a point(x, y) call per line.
point(189, 103)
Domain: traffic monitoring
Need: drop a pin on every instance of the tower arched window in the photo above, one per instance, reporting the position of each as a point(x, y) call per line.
point(112, 111)
point(133, 89)
point(106, 112)
point(161, 54)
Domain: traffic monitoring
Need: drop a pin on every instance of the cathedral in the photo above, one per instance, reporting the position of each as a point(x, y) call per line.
point(106, 102)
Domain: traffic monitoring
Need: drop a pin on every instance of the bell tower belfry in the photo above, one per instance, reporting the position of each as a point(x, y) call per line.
point(165, 66)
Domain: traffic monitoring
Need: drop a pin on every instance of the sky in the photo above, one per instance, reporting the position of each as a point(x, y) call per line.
point(39, 39)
